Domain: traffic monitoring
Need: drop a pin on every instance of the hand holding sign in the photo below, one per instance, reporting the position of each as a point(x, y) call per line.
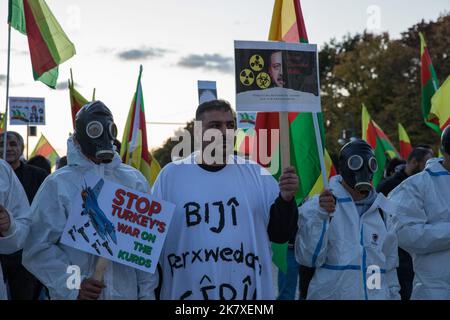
point(288, 184)
point(90, 289)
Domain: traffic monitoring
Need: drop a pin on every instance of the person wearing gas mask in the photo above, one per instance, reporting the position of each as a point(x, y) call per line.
point(423, 224)
point(343, 233)
point(89, 151)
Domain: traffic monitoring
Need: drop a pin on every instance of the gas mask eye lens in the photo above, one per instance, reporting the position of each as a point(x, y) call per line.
point(355, 162)
point(373, 164)
point(113, 130)
point(94, 129)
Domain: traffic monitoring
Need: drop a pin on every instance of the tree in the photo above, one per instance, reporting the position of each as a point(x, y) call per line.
point(385, 75)
point(164, 154)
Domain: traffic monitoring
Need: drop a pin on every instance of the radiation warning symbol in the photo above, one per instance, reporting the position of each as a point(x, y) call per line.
point(247, 77)
point(263, 80)
point(256, 62)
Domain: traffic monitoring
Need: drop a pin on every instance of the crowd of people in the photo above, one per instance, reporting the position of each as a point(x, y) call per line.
point(351, 241)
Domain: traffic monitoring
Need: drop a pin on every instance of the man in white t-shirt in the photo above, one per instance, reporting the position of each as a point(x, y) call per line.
point(228, 210)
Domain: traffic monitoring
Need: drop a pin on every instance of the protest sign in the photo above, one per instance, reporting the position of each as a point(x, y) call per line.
point(118, 223)
point(207, 91)
point(276, 77)
point(26, 111)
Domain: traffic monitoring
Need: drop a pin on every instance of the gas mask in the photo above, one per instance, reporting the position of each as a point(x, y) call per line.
point(95, 131)
point(357, 164)
point(445, 140)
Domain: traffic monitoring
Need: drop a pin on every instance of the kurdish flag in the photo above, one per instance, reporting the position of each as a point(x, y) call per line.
point(430, 84)
point(440, 102)
point(288, 25)
point(49, 45)
point(134, 150)
point(77, 101)
point(45, 149)
point(377, 139)
point(405, 143)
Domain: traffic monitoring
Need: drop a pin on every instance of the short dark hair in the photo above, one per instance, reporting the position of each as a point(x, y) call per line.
point(419, 153)
point(40, 162)
point(392, 164)
point(218, 105)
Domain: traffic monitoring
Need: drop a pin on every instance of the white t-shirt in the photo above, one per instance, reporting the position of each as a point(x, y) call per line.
point(217, 246)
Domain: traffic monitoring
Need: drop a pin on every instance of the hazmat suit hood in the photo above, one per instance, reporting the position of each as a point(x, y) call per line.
point(75, 157)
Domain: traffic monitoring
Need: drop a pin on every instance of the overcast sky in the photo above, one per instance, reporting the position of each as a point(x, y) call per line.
point(178, 42)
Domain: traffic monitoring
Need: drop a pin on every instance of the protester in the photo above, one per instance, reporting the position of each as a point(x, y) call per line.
point(392, 166)
point(40, 162)
point(423, 226)
point(90, 151)
point(22, 284)
point(14, 217)
point(228, 209)
point(31, 177)
point(415, 164)
point(343, 231)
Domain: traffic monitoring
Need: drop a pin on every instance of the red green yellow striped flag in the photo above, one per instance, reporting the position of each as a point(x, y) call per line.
point(430, 84)
point(134, 150)
point(45, 149)
point(378, 140)
point(49, 45)
point(288, 25)
point(405, 143)
point(440, 105)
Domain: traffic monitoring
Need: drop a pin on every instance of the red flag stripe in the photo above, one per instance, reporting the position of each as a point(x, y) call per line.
point(41, 58)
point(425, 70)
point(300, 24)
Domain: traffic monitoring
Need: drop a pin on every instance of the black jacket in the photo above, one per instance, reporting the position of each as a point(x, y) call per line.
point(392, 182)
point(31, 178)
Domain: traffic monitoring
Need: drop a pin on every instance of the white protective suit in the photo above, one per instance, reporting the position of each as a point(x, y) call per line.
point(14, 199)
point(347, 249)
point(423, 229)
point(49, 260)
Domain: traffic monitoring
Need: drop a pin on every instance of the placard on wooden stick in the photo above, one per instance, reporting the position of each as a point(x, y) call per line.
point(117, 223)
point(277, 77)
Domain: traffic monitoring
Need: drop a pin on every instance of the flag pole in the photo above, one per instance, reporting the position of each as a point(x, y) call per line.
point(7, 92)
point(28, 141)
point(320, 149)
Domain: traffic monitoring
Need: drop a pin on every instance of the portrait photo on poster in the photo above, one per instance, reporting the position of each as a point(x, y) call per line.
point(276, 76)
